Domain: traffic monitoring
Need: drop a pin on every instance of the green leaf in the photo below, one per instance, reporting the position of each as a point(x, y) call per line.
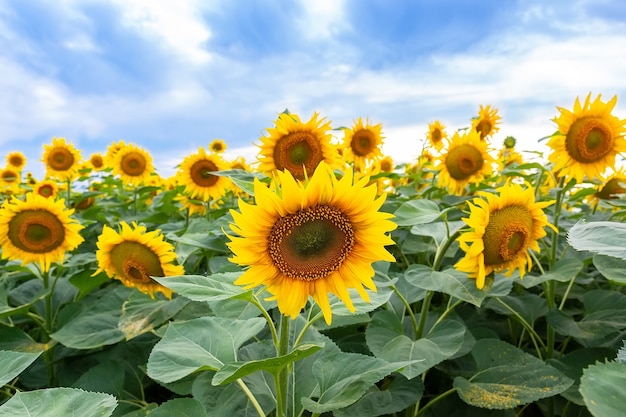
point(455, 283)
point(361, 306)
point(343, 378)
point(143, 314)
point(613, 269)
point(604, 237)
point(508, 377)
point(416, 212)
point(242, 179)
point(180, 407)
point(389, 399)
point(13, 363)
point(107, 376)
point(621, 353)
point(59, 402)
point(562, 271)
point(602, 387)
point(214, 287)
point(386, 339)
point(235, 370)
point(529, 306)
point(203, 343)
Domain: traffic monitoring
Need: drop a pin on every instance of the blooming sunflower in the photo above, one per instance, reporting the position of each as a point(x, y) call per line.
point(502, 229)
point(195, 174)
point(134, 256)
point(296, 146)
point(466, 161)
point(96, 161)
point(62, 159)
point(362, 143)
point(46, 188)
point(614, 185)
point(486, 124)
point(133, 164)
point(588, 139)
point(37, 229)
point(311, 239)
point(436, 134)
point(217, 146)
point(16, 160)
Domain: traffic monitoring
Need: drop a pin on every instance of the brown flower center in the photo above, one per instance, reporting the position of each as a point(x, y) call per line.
point(97, 161)
point(16, 160)
point(60, 159)
point(507, 235)
point(312, 243)
point(589, 139)
point(9, 176)
point(46, 190)
point(464, 161)
point(200, 173)
point(436, 136)
point(133, 164)
point(299, 153)
point(36, 231)
point(611, 188)
point(484, 128)
point(363, 142)
point(136, 262)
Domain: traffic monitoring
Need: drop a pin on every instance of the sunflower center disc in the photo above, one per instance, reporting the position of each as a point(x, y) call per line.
point(464, 161)
point(298, 152)
point(36, 231)
point(61, 159)
point(589, 139)
point(133, 164)
point(436, 135)
point(311, 243)
point(136, 261)
point(507, 234)
point(363, 142)
point(484, 128)
point(46, 190)
point(611, 188)
point(201, 173)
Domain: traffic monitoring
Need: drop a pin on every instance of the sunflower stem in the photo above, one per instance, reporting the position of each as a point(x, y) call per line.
point(68, 204)
point(251, 397)
point(408, 308)
point(423, 314)
point(282, 376)
point(49, 353)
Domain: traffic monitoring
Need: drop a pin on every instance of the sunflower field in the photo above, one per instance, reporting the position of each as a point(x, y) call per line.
point(323, 278)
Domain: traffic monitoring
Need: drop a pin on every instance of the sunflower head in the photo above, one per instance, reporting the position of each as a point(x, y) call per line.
point(466, 161)
point(133, 164)
point(9, 176)
point(16, 160)
point(46, 188)
point(37, 229)
point(503, 227)
point(296, 146)
point(217, 146)
point(309, 239)
point(96, 161)
point(613, 186)
point(362, 143)
point(486, 123)
point(437, 134)
point(196, 174)
point(134, 256)
point(588, 139)
point(240, 163)
point(62, 159)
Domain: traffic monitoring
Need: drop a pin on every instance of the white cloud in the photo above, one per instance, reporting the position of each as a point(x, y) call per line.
point(322, 19)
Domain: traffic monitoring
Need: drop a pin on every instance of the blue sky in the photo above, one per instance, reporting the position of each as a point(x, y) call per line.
point(172, 75)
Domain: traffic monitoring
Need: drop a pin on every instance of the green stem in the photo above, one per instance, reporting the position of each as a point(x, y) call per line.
point(423, 314)
point(251, 397)
point(408, 308)
point(531, 332)
point(569, 287)
point(255, 301)
point(282, 376)
point(441, 250)
point(69, 193)
point(49, 353)
point(435, 401)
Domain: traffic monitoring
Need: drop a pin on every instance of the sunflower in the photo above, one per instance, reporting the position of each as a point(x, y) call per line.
point(133, 164)
point(309, 239)
point(190, 205)
point(240, 163)
point(46, 188)
point(614, 185)
point(436, 134)
point(9, 176)
point(502, 229)
point(588, 139)
point(362, 143)
point(16, 160)
point(466, 161)
point(296, 146)
point(96, 161)
point(134, 256)
point(37, 229)
point(112, 149)
point(62, 159)
point(195, 174)
point(486, 124)
point(217, 146)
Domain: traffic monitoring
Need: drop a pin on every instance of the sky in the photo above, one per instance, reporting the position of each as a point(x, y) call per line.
point(172, 75)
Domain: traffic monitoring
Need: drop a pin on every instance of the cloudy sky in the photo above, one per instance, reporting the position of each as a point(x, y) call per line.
point(172, 75)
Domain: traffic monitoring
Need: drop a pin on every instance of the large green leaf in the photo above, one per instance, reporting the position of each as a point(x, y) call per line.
point(604, 237)
point(507, 377)
point(416, 212)
point(59, 402)
point(13, 363)
point(361, 306)
point(235, 370)
point(602, 387)
point(213, 287)
point(562, 271)
point(455, 283)
point(108, 376)
point(141, 313)
point(386, 339)
point(203, 343)
point(343, 378)
point(613, 269)
point(180, 407)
